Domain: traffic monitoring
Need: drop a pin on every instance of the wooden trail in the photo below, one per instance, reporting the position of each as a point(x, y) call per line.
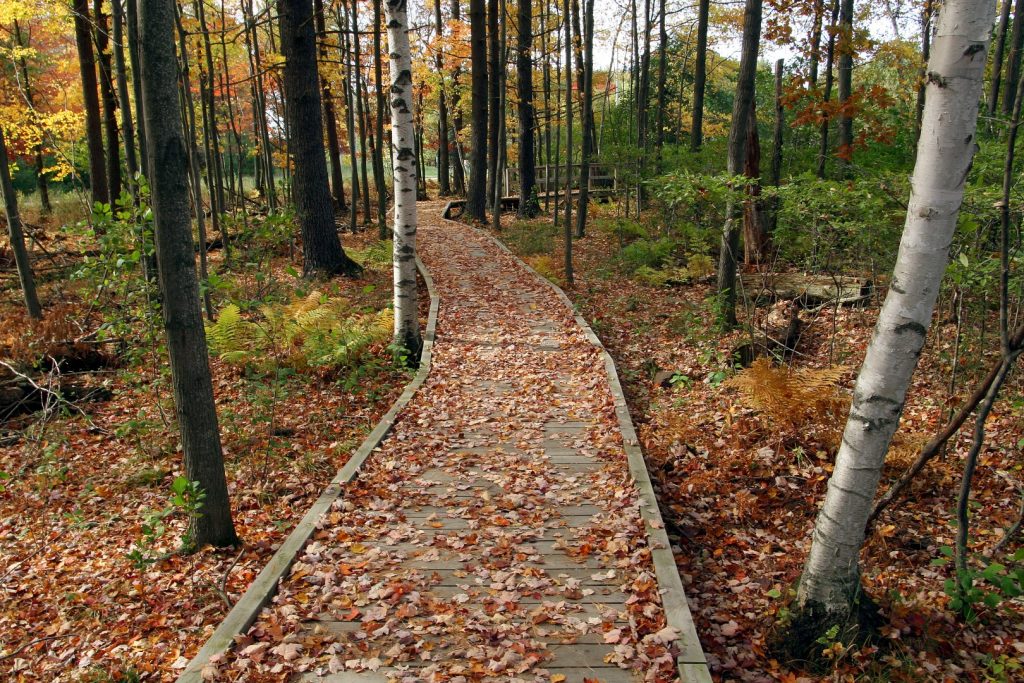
point(505, 530)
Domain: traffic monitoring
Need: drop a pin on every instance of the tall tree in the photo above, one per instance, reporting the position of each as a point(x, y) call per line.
point(494, 112)
point(997, 57)
point(830, 587)
point(444, 187)
point(826, 117)
point(846, 50)
point(330, 116)
point(121, 76)
point(378, 130)
point(17, 236)
point(528, 207)
point(588, 118)
point(113, 140)
point(659, 118)
point(403, 157)
point(25, 83)
point(98, 186)
point(700, 71)
point(183, 321)
point(476, 202)
point(567, 228)
point(321, 248)
point(1014, 58)
point(743, 106)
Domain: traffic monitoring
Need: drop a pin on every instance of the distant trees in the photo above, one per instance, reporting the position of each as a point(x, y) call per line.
point(17, 236)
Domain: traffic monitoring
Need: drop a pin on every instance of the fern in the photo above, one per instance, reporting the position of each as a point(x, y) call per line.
point(795, 400)
point(377, 256)
point(314, 331)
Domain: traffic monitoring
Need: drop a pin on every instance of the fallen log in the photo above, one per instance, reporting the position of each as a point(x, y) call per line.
point(806, 290)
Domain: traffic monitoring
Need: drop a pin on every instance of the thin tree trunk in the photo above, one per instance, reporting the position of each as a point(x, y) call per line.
point(831, 580)
point(741, 112)
point(588, 118)
point(127, 127)
point(547, 108)
point(113, 154)
point(98, 185)
point(700, 69)
point(775, 174)
point(132, 19)
point(997, 58)
point(444, 187)
point(926, 46)
point(17, 236)
point(330, 118)
point(826, 117)
point(378, 135)
point(26, 90)
point(1013, 59)
point(477, 200)
point(815, 55)
point(403, 156)
point(567, 228)
point(357, 89)
point(846, 50)
point(350, 116)
point(321, 248)
point(183, 324)
point(493, 96)
point(659, 118)
point(524, 87)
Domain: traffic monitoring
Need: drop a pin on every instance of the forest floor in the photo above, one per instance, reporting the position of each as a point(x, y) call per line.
point(77, 488)
point(740, 490)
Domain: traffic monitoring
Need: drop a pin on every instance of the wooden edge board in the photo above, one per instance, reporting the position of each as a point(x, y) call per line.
point(263, 588)
point(691, 662)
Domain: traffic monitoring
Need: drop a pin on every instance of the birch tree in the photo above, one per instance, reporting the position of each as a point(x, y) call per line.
point(404, 162)
point(829, 591)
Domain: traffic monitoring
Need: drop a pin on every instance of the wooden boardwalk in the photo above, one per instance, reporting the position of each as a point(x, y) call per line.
point(504, 531)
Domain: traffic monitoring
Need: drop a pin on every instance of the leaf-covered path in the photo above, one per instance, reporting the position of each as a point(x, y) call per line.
point(497, 533)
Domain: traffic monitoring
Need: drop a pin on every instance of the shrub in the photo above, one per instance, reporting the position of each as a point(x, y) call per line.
point(650, 253)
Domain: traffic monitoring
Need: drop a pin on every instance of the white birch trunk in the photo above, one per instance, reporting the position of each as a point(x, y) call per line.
point(403, 155)
point(831, 578)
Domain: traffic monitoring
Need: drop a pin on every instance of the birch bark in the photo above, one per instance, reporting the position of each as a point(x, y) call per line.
point(830, 585)
point(403, 157)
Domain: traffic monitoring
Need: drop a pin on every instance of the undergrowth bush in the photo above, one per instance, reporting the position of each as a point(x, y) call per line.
point(646, 253)
point(314, 332)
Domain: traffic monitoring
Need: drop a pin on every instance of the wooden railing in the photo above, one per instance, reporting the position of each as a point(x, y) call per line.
point(603, 179)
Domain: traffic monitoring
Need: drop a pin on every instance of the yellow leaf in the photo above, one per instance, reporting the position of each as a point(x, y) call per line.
point(558, 678)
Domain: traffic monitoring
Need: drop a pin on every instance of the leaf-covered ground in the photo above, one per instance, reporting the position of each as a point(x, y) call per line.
point(495, 535)
point(77, 491)
point(740, 491)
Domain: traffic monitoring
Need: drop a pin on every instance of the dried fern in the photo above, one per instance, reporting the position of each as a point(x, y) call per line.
point(795, 399)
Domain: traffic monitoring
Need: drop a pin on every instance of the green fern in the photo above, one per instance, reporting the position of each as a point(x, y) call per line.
point(377, 256)
point(314, 331)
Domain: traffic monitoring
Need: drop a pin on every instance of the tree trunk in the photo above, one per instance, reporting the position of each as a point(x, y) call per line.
point(742, 108)
point(321, 248)
point(494, 112)
point(997, 58)
point(113, 154)
point(1013, 60)
point(26, 91)
point(132, 19)
point(755, 236)
point(330, 117)
point(444, 187)
point(357, 89)
point(127, 127)
point(815, 55)
point(775, 174)
point(567, 228)
point(700, 70)
point(831, 580)
point(826, 117)
point(659, 118)
point(183, 323)
point(476, 202)
point(350, 116)
point(926, 53)
point(98, 186)
point(17, 236)
point(403, 157)
point(588, 118)
point(528, 207)
point(378, 123)
point(845, 151)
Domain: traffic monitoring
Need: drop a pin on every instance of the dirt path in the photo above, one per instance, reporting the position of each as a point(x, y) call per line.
point(496, 534)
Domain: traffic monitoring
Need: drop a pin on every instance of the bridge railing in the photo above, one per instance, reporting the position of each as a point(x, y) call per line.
point(603, 179)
